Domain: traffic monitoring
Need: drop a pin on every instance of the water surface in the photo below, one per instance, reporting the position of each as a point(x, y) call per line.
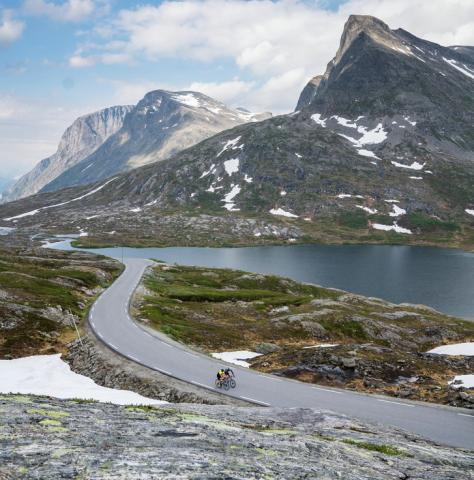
point(437, 277)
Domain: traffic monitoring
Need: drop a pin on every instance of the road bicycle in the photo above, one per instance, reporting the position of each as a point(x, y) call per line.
point(226, 383)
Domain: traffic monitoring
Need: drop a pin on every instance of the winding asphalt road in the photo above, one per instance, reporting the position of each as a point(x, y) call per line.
point(111, 322)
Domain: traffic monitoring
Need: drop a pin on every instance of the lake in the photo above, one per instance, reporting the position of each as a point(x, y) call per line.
point(437, 277)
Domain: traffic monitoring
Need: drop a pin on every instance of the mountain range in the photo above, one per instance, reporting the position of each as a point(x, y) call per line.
point(120, 138)
point(379, 148)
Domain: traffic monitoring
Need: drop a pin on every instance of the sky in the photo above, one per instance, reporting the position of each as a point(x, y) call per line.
point(60, 59)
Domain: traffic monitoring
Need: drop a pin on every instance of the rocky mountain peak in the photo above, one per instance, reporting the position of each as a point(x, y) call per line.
point(162, 124)
point(309, 92)
point(374, 28)
point(79, 140)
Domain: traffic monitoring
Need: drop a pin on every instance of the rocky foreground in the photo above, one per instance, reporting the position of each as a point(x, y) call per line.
point(43, 438)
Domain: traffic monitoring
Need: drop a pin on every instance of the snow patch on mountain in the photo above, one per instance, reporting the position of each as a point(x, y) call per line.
point(187, 99)
point(231, 166)
point(395, 227)
point(317, 118)
point(466, 70)
point(34, 212)
point(212, 169)
point(397, 211)
point(231, 144)
point(367, 153)
point(413, 166)
point(282, 213)
point(367, 209)
point(229, 197)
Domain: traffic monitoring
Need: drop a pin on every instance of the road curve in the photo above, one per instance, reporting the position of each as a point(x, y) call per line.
point(110, 320)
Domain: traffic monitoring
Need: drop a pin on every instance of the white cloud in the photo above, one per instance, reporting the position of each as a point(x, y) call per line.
point(78, 61)
point(10, 29)
point(281, 44)
point(68, 11)
point(130, 93)
point(232, 92)
point(83, 61)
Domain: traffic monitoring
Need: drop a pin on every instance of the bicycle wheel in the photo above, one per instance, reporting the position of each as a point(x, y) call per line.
point(218, 383)
point(226, 385)
point(233, 383)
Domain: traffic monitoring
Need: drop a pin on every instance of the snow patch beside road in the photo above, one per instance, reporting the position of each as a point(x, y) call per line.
point(466, 349)
point(49, 375)
point(237, 358)
point(465, 381)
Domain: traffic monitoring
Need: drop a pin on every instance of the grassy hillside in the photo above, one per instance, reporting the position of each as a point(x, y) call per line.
point(42, 292)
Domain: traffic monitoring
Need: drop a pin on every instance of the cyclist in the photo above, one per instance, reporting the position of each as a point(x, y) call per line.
point(229, 372)
point(221, 375)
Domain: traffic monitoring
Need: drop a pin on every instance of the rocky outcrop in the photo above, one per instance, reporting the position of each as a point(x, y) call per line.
point(84, 136)
point(47, 438)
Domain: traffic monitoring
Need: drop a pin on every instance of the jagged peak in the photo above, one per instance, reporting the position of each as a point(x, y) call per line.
point(315, 81)
point(373, 27)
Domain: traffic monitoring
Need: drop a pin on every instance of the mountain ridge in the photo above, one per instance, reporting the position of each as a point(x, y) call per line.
point(159, 126)
point(78, 141)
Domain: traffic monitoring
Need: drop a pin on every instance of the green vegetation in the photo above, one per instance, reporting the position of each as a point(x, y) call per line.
point(345, 329)
point(204, 307)
point(39, 288)
point(353, 219)
point(425, 223)
point(374, 447)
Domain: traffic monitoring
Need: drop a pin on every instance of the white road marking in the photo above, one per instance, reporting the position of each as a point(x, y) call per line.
point(133, 358)
point(256, 401)
point(327, 390)
point(113, 346)
point(466, 415)
point(398, 403)
point(200, 384)
point(165, 372)
point(275, 379)
point(189, 353)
